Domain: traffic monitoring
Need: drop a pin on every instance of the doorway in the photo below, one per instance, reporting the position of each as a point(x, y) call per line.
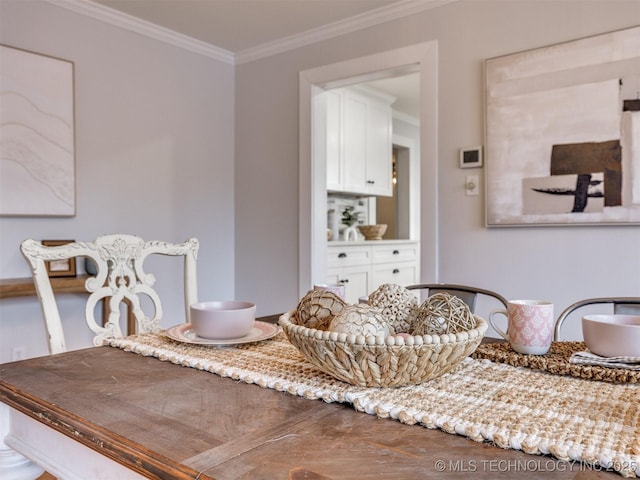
point(401, 211)
point(420, 58)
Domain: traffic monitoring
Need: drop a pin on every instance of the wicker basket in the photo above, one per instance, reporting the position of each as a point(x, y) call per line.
point(373, 232)
point(376, 362)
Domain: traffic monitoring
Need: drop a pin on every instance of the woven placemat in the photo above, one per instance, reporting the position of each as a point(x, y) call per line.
point(556, 361)
point(516, 408)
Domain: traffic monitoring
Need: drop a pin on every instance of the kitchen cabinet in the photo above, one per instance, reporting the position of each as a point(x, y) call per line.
point(394, 252)
point(359, 142)
point(394, 263)
point(335, 172)
point(400, 273)
point(356, 280)
point(365, 266)
point(351, 266)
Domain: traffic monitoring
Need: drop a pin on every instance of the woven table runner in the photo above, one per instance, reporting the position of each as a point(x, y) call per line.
point(515, 408)
point(556, 361)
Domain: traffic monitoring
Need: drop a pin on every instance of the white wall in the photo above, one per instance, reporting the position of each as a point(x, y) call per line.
point(561, 264)
point(154, 157)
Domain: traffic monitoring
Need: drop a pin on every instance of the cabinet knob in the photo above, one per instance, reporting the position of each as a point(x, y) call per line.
point(346, 280)
point(396, 252)
point(371, 182)
point(395, 270)
point(342, 255)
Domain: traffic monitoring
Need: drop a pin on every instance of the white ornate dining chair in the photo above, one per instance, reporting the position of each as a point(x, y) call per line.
point(621, 305)
point(120, 278)
point(466, 293)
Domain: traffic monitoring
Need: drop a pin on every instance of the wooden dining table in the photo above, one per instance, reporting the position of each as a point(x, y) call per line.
point(105, 413)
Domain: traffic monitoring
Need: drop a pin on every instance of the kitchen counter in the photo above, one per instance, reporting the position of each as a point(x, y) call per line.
point(332, 243)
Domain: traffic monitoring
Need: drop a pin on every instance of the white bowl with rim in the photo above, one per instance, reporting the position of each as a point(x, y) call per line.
point(612, 335)
point(223, 319)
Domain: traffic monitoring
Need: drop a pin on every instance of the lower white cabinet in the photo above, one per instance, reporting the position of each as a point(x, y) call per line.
point(356, 280)
point(401, 273)
point(364, 267)
point(394, 252)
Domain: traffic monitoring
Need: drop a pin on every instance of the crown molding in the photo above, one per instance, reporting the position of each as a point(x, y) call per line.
point(358, 22)
point(405, 117)
point(342, 27)
point(142, 27)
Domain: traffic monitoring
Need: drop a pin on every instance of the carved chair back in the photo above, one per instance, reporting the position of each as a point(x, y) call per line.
point(120, 278)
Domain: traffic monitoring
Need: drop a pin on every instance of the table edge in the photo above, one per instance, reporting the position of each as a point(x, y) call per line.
point(113, 446)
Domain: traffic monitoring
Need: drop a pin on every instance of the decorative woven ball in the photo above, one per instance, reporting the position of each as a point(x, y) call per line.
point(360, 320)
point(443, 313)
point(398, 304)
point(317, 308)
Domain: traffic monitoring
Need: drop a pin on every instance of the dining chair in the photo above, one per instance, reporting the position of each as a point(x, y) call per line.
point(466, 293)
point(621, 305)
point(120, 277)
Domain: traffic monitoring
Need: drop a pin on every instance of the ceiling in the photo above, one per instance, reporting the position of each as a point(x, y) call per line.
point(405, 89)
point(238, 26)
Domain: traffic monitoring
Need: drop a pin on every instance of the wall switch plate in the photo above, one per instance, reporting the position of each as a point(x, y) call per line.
point(471, 186)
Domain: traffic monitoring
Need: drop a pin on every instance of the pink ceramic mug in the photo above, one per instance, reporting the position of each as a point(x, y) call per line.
point(529, 325)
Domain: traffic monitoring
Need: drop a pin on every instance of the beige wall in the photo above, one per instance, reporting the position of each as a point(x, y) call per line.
point(154, 157)
point(561, 264)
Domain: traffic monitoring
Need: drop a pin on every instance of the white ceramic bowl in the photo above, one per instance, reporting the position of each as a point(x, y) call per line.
point(612, 335)
point(222, 319)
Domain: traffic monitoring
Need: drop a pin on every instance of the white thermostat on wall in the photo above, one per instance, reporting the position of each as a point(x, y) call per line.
point(471, 157)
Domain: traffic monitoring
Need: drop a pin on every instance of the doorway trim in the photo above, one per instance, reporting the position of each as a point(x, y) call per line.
point(413, 213)
point(312, 244)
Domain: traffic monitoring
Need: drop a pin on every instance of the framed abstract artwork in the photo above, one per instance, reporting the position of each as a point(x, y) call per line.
point(37, 134)
point(563, 133)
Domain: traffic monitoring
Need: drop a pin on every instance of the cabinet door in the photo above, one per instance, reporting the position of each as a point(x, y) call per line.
point(354, 279)
point(400, 273)
point(359, 143)
point(379, 150)
point(335, 171)
point(355, 143)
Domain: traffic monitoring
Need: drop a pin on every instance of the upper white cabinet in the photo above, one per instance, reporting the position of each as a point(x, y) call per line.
point(335, 173)
point(359, 141)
